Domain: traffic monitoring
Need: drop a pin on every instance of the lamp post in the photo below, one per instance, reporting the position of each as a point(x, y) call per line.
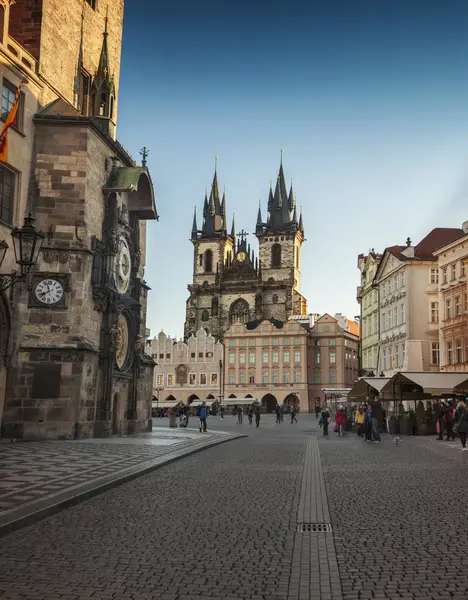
point(27, 243)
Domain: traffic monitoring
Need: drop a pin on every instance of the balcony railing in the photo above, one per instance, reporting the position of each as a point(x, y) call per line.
point(26, 60)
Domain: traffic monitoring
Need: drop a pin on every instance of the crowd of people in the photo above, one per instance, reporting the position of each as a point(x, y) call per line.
point(451, 419)
point(369, 419)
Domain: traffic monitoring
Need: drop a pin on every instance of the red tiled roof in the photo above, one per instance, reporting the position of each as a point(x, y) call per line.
point(397, 251)
point(438, 237)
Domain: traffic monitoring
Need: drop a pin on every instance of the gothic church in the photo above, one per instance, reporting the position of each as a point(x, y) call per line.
point(229, 283)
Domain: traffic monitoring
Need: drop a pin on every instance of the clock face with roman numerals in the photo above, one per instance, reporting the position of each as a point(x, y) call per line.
point(49, 291)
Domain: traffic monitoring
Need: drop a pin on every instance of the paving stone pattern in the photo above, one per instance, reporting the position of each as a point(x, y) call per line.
point(217, 525)
point(399, 517)
point(314, 573)
point(30, 471)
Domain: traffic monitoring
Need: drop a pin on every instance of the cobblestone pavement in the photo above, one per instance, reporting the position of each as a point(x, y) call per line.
point(399, 517)
point(215, 525)
point(250, 520)
point(32, 471)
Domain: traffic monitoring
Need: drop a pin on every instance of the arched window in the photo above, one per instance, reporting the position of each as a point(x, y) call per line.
point(208, 261)
point(276, 256)
point(240, 312)
point(205, 315)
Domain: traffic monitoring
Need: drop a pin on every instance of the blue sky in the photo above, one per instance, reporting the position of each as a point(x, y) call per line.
point(369, 100)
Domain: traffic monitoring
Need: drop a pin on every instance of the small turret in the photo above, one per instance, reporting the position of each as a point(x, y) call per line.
point(194, 226)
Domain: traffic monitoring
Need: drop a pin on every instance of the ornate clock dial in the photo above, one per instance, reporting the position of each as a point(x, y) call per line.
point(123, 267)
point(241, 256)
point(121, 345)
point(49, 291)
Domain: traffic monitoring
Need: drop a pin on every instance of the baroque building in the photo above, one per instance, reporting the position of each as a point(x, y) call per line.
point(75, 363)
point(229, 283)
point(186, 371)
point(408, 297)
point(450, 307)
point(368, 299)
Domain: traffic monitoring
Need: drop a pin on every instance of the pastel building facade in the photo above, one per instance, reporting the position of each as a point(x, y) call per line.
point(186, 371)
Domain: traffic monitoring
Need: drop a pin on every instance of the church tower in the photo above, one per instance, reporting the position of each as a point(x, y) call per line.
point(213, 247)
point(280, 240)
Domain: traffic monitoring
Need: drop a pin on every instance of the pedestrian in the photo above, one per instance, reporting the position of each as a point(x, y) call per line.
point(340, 419)
point(293, 414)
point(461, 423)
point(257, 415)
point(376, 410)
point(202, 416)
point(368, 423)
point(278, 413)
point(439, 415)
point(317, 411)
point(326, 421)
point(240, 415)
point(359, 419)
point(250, 414)
point(449, 414)
point(221, 412)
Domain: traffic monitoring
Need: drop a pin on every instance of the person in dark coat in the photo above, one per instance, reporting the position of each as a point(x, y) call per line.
point(461, 418)
point(449, 414)
point(368, 423)
point(326, 420)
point(377, 416)
point(293, 414)
point(439, 415)
point(257, 415)
point(278, 413)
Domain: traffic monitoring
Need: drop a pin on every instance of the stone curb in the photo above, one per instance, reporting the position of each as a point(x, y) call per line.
point(40, 509)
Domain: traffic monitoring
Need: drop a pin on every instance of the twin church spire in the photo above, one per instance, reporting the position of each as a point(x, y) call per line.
point(282, 212)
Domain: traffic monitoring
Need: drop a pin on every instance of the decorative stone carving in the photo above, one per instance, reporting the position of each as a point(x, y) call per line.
point(48, 255)
point(63, 256)
point(81, 233)
point(138, 344)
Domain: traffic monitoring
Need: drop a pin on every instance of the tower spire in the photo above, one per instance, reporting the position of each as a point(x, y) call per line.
point(292, 199)
point(301, 223)
point(233, 229)
point(194, 225)
point(259, 226)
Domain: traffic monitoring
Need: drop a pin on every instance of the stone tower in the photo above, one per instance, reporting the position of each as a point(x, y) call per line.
point(280, 240)
point(229, 283)
point(78, 44)
point(77, 365)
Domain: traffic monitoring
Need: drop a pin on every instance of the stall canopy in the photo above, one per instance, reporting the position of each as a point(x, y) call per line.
point(413, 384)
point(157, 404)
point(236, 401)
point(196, 403)
point(360, 390)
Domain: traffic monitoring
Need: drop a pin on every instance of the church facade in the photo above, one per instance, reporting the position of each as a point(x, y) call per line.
point(230, 284)
point(76, 364)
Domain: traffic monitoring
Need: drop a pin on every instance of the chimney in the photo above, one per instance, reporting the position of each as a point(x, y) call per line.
point(465, 227)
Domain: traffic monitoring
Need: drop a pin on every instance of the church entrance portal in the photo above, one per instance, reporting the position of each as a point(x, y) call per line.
point(269, 402)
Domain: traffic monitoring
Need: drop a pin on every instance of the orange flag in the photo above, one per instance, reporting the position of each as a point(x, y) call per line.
point(10, 121)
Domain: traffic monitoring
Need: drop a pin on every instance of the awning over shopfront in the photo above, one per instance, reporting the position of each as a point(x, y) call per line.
point(237, 401)
point(156, 404)
point(367, 386)
point(415, 385)
point(196, 403)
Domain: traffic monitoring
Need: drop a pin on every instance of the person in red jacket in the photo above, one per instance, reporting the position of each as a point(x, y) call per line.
point(340, 419)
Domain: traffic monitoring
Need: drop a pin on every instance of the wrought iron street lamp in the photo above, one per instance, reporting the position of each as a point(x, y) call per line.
point(27, 243)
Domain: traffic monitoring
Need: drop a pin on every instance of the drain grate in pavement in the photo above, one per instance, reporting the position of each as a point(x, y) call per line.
point(314, 527)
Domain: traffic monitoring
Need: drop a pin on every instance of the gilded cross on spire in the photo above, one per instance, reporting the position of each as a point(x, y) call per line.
point(243, 236)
